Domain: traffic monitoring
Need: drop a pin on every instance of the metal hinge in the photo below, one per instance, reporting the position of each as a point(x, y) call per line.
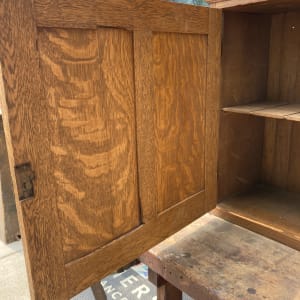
point(24, 177)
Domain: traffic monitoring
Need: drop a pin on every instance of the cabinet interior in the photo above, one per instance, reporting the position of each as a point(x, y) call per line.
point(259, 161)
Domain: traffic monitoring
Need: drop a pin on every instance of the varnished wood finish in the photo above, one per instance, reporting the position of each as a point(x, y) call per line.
point(214, 259)
point(179, 68)
point(107, 101)
point(83, 272)
point(88, 76)
point(155, 15)
point(28, 137)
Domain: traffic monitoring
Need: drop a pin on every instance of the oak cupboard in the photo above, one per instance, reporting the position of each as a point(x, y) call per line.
point(110, 111)
point(125, 122)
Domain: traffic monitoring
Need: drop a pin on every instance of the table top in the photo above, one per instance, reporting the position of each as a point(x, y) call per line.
point(215, 259)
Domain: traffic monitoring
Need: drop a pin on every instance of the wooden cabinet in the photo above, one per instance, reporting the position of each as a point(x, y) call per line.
point(111, 112)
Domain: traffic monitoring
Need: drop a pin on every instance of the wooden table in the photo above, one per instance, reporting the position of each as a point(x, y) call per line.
point(214, 259)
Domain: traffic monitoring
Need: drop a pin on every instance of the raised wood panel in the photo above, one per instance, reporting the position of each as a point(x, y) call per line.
point(153, 15)
point(179, 67)
point(89, 269)
point(88, 76)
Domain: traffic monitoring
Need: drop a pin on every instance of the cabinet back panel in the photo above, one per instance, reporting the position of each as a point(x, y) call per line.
point(244, 58)
point(240, 153)
point(281, 166)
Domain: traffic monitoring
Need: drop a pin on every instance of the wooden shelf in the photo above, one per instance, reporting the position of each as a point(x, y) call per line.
point(270, 211)
point(268, 110)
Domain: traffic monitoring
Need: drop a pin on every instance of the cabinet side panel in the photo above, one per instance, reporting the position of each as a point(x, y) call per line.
point(88, 76)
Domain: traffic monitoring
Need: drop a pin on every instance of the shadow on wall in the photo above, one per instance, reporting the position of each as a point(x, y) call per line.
point(192, 2)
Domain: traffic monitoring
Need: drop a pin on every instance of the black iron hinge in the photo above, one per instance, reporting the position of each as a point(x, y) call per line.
point(24, 177)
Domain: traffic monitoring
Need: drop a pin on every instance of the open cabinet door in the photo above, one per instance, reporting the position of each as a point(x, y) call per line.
point(110, 110)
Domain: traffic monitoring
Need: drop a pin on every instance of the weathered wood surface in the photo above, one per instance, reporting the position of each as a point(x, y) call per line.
point(155, 15)
point(214, 259)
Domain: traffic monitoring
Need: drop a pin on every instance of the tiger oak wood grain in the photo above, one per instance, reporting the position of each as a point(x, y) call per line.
point(77, 110)
point(88, 76)
point(130, 14)
point(87, 270)
point(179, 114)
point(27, 133)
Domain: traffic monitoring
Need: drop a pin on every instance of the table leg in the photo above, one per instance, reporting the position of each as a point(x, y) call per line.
point(98, 291)
point(165, 290)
